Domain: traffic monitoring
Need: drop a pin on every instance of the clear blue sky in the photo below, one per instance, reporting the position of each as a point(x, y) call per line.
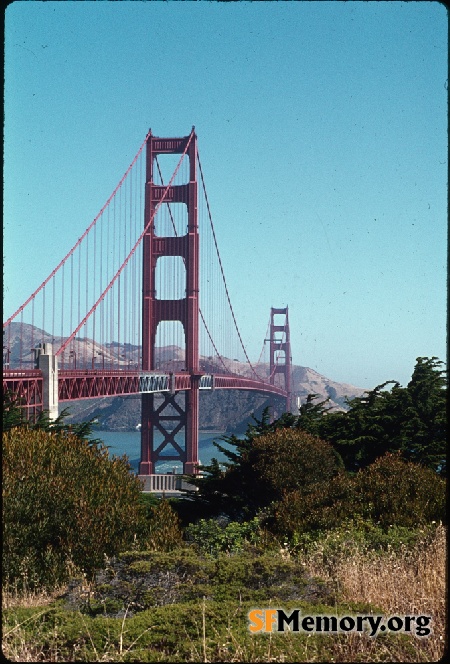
point(322, 130)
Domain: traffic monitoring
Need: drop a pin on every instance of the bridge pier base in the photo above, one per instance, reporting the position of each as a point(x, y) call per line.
point(170, 418)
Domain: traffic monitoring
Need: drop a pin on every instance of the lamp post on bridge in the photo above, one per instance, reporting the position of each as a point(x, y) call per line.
point(73, 354)
point(98, 353)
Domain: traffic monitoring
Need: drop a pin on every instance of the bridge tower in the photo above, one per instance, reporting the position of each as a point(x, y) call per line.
point(280, 343)
point(170, 418)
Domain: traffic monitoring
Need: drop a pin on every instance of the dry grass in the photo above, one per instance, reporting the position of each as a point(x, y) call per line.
point(30, 598)
point(19, 649)
point(405, 582)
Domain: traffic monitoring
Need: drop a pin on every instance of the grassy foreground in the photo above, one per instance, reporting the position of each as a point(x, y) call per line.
point(185, 606)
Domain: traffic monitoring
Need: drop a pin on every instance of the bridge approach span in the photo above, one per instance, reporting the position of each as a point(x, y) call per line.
point(84, 384)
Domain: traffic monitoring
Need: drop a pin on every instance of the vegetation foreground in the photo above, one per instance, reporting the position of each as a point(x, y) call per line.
point(334, 514)
point(186, 607)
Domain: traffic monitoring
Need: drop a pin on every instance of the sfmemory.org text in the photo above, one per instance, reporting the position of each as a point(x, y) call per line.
point(278, 620)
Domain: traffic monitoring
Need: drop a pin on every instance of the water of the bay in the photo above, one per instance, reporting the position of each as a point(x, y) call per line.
point(129, 443)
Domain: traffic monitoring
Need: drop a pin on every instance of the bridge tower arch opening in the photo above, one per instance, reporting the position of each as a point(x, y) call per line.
point(183, 309)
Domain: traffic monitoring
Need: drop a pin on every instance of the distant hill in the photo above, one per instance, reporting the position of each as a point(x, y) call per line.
point(307, 381)
point(222, 410)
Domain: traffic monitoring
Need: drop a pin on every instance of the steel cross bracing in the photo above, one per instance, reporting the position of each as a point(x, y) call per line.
point(61, 378)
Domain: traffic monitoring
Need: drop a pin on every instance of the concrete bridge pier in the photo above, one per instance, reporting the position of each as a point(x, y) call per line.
point(48, 364)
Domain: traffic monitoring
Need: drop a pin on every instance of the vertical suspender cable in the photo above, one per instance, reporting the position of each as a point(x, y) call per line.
point(71, 294)
point(111, 331)
point(94, 287)
point(32, 326)
point(87, 304)
point(62, 307)
point(101, 284)
point(43, 315)
point(79, 283)
point(53, 309)
point(141, 253)
point(127, 259)
point(108, 272)
point(21, 340)
point(119, 353)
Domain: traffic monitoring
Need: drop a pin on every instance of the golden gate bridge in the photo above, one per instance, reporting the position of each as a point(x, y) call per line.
point(140, 305)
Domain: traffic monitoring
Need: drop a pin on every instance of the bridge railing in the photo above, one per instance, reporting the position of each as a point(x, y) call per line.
point(165, 483)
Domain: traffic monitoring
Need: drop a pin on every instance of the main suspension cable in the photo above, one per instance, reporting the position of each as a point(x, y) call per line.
point(138, 241)
point(222, 271)
point(80, 239)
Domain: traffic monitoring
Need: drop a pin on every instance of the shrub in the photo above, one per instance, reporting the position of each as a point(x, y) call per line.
point(359, 536)
point(388, 492)
point(163, 530)
point(325, 506)
point(212, 537)
point(65, 502)
point(292, 459)
point(395, 492)
point(270, 460)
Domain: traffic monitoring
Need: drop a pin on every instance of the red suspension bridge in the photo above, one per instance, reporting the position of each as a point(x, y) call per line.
point(140, 305)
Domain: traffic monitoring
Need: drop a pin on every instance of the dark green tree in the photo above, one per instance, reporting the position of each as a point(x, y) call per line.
point(12, 411)
point(390, 418)
point(369, 429)
point(311, 414)
point(425, 429)
point(13, 416)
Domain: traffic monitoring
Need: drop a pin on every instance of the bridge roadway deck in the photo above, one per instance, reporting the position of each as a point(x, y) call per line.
point(90, 384)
